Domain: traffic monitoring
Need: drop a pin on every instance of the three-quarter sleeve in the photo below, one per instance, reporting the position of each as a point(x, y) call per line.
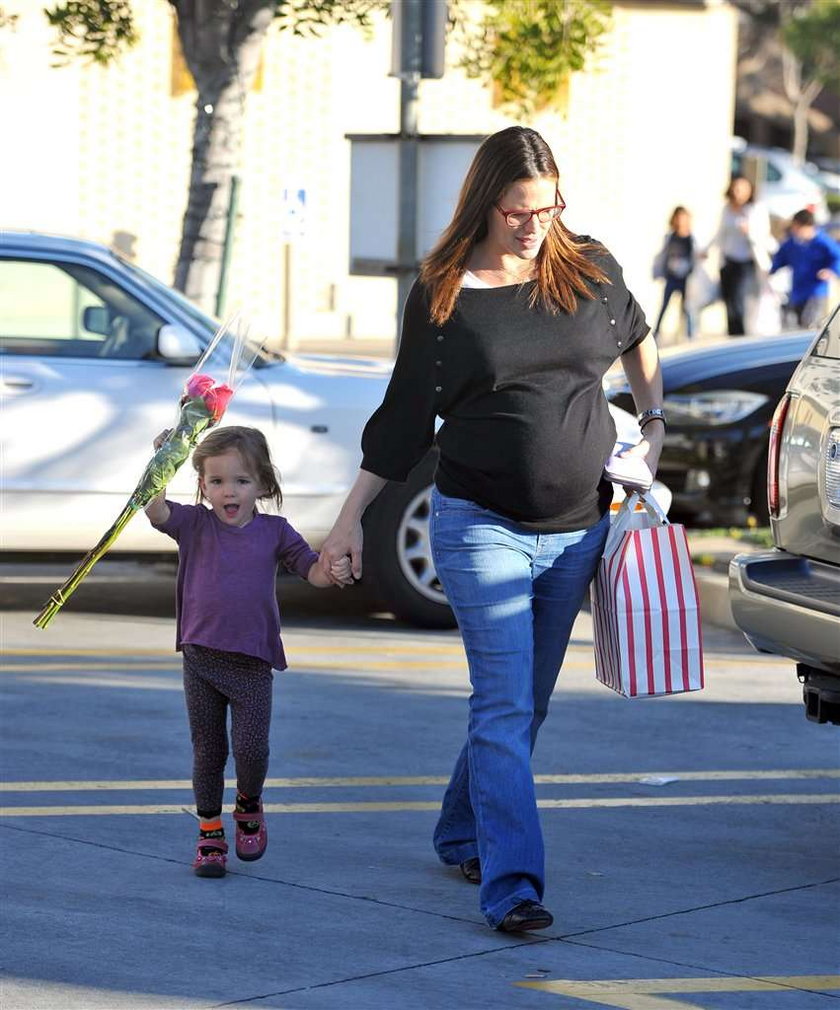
point(401, 431)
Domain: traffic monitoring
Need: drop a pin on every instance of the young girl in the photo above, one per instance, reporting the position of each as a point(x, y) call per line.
point(674, 263)
point(228, 626)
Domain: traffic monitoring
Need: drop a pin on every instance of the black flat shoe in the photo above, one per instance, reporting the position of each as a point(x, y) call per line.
point(471, 868)
point(525, 916)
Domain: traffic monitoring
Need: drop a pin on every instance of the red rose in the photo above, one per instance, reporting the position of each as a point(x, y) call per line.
point(198, 384)
point(217, 400)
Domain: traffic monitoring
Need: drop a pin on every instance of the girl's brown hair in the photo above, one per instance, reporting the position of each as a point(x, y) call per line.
point(679, 209)
point(562, 264)
point(730, 189)
point(252, 446)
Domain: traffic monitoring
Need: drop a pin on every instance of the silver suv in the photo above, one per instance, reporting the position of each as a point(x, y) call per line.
point(787, 601)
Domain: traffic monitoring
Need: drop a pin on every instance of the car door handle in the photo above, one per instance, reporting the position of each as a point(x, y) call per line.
point(16, 384)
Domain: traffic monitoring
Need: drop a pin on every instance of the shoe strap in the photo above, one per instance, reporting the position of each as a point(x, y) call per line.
point(257, 815)
point(217, 843)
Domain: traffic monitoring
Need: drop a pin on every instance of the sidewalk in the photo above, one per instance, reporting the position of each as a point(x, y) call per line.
point(711, 556)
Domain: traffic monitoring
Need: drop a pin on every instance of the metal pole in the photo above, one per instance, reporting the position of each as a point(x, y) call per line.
point(227, 248)
point(408, 154)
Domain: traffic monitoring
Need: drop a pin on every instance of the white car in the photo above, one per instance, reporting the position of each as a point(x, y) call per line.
point(94, 354)
point(782, 185)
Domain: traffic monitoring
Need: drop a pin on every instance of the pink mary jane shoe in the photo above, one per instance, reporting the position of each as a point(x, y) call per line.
point(250, 846)
point(210, 862)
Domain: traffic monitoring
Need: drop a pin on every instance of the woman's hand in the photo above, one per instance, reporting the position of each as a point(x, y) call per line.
point(344, 542)
point(650, 446)
point(345, 538)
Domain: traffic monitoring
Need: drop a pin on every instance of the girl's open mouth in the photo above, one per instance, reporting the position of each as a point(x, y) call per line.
point(231, 510)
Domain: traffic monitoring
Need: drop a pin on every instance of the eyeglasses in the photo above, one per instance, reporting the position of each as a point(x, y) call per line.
point(545, 215)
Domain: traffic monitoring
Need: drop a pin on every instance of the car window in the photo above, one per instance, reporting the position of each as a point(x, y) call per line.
point(772, 174)
point(59, 309)
point(828, 345)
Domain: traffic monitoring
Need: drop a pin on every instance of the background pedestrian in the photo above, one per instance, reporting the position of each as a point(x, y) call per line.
point(745, 242)
point(674, 262)
point(812, 257)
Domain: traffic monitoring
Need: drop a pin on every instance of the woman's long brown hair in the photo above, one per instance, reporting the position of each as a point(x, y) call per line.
point(562, 264)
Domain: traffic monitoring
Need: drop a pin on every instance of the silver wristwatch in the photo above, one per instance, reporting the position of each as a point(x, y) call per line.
point(651, 414)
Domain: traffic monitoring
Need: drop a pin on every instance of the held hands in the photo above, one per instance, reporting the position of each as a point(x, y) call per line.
point(343, 547)
point(340, 573)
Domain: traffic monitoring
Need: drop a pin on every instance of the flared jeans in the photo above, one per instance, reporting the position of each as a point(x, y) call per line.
point(516, 595)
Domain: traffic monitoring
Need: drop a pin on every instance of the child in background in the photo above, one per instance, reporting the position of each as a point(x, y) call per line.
point(228, 626)
point(812, 257)
point(674, 262)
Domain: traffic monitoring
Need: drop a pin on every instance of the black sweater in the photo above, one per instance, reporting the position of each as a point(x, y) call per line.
point(526, 427)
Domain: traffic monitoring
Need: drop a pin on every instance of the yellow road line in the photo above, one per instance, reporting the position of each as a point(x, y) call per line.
point(402, 805)
point(299, 664)
point(300, 653)
point(342, 650)
point(83, 785)
point(641, 993)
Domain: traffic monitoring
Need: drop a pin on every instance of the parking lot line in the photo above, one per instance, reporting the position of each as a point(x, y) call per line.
point(396, 806)
point(300, 654)
point(643, 993)
point(307, 782)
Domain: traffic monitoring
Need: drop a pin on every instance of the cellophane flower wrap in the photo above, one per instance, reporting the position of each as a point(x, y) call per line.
point(206, 395)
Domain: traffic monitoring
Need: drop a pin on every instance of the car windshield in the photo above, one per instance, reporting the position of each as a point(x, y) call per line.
point(206, 324)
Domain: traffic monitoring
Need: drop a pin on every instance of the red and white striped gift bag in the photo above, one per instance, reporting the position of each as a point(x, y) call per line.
point(645, 607)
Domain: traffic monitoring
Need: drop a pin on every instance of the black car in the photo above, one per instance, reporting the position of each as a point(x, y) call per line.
point(719, 401)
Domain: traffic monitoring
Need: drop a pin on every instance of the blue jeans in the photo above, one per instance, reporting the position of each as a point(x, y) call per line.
point(516, 595)
point(675, 285)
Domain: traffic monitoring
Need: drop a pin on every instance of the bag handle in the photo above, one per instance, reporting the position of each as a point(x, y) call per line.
point(625, 513)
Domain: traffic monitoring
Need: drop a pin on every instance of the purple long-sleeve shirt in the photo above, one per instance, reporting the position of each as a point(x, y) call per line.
point(226, 596)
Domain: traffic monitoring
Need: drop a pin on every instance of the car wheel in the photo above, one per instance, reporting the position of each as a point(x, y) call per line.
point(397, 552)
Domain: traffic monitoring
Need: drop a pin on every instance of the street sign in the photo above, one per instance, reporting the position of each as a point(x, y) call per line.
point(293, 214)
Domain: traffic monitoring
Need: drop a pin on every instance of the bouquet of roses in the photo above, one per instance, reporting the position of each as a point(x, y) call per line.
point(206, 395)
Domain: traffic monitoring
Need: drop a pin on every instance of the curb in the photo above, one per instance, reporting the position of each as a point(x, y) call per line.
point(713, 589)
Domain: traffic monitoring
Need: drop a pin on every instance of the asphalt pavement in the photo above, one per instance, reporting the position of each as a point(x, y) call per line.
point(691, 842)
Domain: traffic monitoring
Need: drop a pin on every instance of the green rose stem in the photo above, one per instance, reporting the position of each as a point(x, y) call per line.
point(160, 470)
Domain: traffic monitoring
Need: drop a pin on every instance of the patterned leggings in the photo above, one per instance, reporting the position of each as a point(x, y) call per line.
point(212, 681)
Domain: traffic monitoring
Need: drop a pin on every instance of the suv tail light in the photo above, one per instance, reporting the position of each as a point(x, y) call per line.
point(776, 426)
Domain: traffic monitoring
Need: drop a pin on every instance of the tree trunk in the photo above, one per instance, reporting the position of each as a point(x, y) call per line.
point(802, 97)
point(221, 41)
point(800, 119)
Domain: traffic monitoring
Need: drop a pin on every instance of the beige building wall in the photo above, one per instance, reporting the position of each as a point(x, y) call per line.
point(103, 150)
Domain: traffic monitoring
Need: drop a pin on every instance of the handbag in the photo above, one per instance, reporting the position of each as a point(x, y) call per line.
point(645, 606)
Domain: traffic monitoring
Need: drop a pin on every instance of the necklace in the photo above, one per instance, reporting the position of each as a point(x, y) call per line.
point(502, 277)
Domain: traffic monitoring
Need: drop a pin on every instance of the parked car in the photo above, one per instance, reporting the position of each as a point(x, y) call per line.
point(782, 184)
point(94, 353)
point(787, 601)
point(719, 401)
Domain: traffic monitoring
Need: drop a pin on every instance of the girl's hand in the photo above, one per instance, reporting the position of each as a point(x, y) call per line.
point(161, 438)
point(340, 573)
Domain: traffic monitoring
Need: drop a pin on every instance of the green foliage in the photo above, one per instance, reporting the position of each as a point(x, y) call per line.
point(528, 48)
point(8, 20)
point(310, 17)
point(813, 36)
point(97, 30)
